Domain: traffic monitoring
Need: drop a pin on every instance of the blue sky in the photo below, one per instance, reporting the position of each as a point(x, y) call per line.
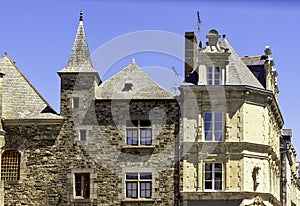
point(38, 36)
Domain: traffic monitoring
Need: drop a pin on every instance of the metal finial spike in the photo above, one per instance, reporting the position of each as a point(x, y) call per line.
point(81, 17)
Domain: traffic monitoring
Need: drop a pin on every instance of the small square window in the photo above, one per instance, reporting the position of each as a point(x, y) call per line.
point(138, 132)
point(138, 185)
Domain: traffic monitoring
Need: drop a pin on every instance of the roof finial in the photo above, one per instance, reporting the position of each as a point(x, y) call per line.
point(81, 17)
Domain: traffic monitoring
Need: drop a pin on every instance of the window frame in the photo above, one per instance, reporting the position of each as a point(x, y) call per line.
point(138, 129)
point(212, 128)
point(140, 191)
point(82, 185)
point(212, 80)
point(10, 167)
point(213, 176)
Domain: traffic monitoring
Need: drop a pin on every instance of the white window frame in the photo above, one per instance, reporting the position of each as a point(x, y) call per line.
point(211, 69)
point(213, 127)
point(138, 182)
point(213, 173)
point(138, 128)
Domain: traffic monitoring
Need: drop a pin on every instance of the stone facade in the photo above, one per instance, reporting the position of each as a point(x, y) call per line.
point(127, 141)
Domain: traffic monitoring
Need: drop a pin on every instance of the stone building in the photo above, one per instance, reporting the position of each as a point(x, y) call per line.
point(127, 141)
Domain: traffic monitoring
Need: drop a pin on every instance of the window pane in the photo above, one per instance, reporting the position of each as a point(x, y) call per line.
point(131, 176)
point(82, 135)
point(208, 185)
point(132, 137)
point(131, 189)
point(218, 126)
point(145, 188)
point(208, 136)
point(132, 123)
point(207, 126)
point(218, 185)
point(145, 176)
point(145, 123)
point(218, 136)
point(208, 176)
point(207, 116)
point(208, 167)
point(86, 186)
point(10, 165)
point(146, 137)
point(218, 116)
point(218, 167)
point(78, 184)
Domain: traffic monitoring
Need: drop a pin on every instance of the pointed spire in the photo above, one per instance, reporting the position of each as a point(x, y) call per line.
point(79, 60)
point(81, 17)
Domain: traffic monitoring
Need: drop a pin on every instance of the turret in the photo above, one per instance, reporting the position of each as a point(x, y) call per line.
point(78, 79)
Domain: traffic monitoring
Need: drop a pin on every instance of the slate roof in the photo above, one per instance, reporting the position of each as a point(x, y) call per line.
point(131, 83)
point(80, 59)
point(254, 60)
point(20, 100)
point(239, 73)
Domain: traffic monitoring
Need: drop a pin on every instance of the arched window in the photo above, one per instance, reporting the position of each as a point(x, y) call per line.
point(10, 165)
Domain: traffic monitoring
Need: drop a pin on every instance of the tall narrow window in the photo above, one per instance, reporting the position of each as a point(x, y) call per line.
point(82, 135)
point(10, 165)
point(82, 185)
point(213, 75)
point(213, 126)
point(138, 185)
point(213, 173)
point(139, 132)
point(75, 102)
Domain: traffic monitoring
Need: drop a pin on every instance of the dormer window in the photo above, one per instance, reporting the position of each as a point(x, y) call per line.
point(213, 75)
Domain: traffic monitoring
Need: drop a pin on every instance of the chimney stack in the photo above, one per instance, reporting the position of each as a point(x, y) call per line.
point(190, 53)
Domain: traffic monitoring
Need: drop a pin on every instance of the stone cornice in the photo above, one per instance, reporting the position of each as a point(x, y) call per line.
point(8, 122)
point(229, 195)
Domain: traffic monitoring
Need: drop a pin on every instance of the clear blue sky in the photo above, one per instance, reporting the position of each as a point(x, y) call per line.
point(38, 35)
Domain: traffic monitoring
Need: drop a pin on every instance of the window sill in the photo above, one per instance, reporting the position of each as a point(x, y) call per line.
point(138, 200)
point(138, 147)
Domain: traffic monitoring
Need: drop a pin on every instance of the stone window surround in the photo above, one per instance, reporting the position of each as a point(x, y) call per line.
point(139, 128)
point(87, 128)
point(93, 186)
point(155, 175)
point(202, 71)
point(223, 174)
point(19, 164)
point(155, 125)
point(213, 73)
point(75, 102)
point(223, 126)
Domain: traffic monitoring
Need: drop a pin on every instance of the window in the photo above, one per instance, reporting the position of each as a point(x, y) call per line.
point(82, 185)
point(138, 132)
point(138, 185)
point(213, 173)
point(213, 126)
point(213, 75)
point(75, 102)
point(82, 135)
point(10, 165)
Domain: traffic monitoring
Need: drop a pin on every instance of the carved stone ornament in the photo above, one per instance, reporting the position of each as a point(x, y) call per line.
point(257, 201)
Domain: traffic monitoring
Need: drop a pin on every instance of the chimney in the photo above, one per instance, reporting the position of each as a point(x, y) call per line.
point(190, 53)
